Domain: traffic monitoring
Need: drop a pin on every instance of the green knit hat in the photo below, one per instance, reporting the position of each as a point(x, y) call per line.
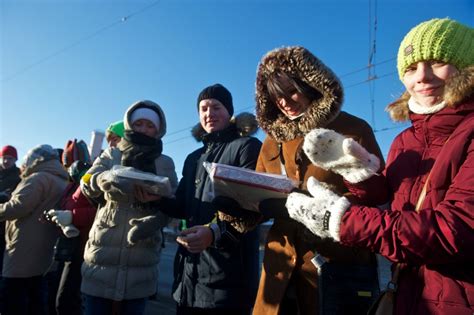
point(117, 128)
point(437, 39)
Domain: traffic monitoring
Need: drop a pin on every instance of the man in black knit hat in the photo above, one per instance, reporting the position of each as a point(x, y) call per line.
point(216, 265)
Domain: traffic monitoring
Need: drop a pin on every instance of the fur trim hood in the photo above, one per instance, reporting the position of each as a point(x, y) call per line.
point(37, 156)
point(458, 88)
point(297, 62)
point(146, 104)
point(245, 123)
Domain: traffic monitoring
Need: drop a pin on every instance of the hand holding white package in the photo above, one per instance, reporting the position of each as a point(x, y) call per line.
point(158, 185)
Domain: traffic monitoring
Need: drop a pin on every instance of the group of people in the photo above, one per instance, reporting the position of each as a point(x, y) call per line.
point(416, 209)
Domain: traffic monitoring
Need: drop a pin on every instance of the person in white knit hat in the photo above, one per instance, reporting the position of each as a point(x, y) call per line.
point(120, 269)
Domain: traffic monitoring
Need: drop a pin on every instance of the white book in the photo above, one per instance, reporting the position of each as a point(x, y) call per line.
point(246, 186)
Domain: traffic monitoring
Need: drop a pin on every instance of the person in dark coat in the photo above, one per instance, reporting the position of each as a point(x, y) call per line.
point(429, 230)
point(216, 265)
point(9, 172)
point(9, 179)
point(69, 248)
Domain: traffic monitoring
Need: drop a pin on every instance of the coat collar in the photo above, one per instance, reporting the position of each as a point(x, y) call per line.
point(12, 171)
point(243, 125)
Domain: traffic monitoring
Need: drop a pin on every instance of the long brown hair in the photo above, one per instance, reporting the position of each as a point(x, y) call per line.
point(277, 90)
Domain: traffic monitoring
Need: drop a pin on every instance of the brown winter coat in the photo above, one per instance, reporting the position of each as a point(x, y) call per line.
point(290, 247)
point(29, 242)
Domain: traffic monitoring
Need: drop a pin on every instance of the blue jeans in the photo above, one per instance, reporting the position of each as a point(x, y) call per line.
point(99, 306)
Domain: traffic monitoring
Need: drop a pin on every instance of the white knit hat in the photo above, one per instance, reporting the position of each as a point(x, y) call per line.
point(145, 113)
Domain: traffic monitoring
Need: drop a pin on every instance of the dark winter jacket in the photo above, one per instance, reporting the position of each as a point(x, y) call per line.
point(224, 275)
point(435, 245)
point(290, 247)
point(9, 179)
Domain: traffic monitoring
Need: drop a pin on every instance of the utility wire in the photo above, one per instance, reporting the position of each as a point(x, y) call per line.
point(77, 42)
point(366, 67)
point(371, 79)
point(250, 107)
point(372, 54)
point(389, 128)
point(129, 16)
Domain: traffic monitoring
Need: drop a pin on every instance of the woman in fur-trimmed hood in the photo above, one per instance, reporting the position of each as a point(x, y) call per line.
point(429, 232)
point(295, 93)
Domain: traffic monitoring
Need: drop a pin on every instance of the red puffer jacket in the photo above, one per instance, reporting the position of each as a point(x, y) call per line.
point(435, 245)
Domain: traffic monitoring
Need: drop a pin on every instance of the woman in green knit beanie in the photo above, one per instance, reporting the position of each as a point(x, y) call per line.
point(428, 230)
point(114, 133)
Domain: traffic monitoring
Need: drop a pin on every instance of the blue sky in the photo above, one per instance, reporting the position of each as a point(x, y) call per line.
point(69, 67)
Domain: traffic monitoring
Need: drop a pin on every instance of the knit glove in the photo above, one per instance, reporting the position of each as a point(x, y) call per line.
point(230, 211)
point(110, 183)
point(330, 150)
point(115, 188)
point(321, 213)
point(143, 228)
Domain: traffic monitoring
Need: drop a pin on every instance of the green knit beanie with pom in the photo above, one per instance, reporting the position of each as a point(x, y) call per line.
point(443, 40)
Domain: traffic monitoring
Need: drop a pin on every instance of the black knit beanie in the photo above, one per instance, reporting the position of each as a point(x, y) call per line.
point(220, 93)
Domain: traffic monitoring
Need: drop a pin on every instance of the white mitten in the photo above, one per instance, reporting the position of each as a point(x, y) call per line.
point(332, 151)
point(60, 217)
point(70, 230)
point(322, 213)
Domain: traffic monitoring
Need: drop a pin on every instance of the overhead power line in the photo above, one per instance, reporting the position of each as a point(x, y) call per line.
point(366, 67)
point(372, 54)
point(250, 107)
point(77, 42)
point(390, 128)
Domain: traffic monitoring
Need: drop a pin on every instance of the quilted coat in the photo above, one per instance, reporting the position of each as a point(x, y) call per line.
point(112, 268)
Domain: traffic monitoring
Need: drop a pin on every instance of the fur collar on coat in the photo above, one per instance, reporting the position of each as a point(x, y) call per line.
point(297, 62)
point(458, 88)
point(245, 123)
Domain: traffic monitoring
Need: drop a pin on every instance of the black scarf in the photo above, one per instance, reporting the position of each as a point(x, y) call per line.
point(140, 151)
